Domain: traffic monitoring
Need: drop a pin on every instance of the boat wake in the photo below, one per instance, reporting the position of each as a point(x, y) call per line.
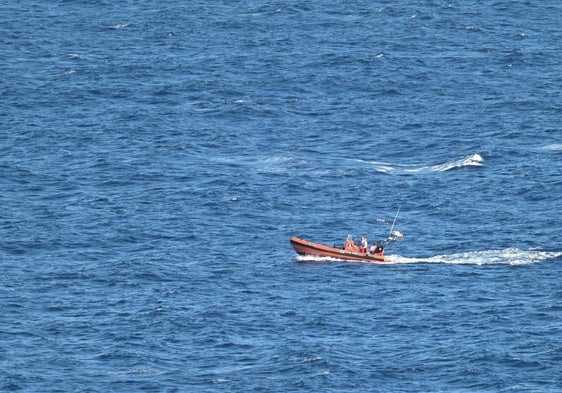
point(509, 256)
point(319, 259)
point(472, 160)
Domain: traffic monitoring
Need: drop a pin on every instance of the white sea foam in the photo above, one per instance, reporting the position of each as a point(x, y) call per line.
point(385, 168)
point(473, 160)
point(76, 56)
point(554, 147)
point(318, 259)
point(313, 258)
point(467, 161)
point(118, 26)
point(508, 256)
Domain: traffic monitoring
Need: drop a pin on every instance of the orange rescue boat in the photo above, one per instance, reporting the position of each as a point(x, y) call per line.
point(349, 251)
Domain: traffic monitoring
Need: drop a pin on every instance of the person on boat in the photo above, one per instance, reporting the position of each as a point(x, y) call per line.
point(376, 248)
point(350, 245)
point(364, 245)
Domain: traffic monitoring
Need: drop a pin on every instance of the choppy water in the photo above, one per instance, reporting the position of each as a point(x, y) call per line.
point(157, 157)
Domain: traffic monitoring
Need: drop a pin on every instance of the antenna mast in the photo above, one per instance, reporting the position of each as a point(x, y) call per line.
point(394, 222)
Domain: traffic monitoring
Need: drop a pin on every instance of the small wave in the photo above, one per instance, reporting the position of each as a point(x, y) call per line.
point(385, 168)
point(76, 56)
point(136, 371)
point(554, 147)
point(473, 160)
point(279, 164)
point(467, 161)
point(118, 26)
point(509, 256)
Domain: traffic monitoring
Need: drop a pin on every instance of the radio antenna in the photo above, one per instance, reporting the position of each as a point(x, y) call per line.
point(394, 222)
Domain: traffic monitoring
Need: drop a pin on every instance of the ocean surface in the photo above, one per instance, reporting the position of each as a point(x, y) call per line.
point(157, 156)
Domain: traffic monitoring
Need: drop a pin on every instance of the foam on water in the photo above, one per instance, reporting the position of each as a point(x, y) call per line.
point(509, 256)
point(467, 161)
point(473, 160)
point(554, 147)
point(118, 26)
point(317, 259)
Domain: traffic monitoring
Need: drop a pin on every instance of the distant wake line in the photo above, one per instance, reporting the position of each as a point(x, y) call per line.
point(472, 160)
point(509, 256)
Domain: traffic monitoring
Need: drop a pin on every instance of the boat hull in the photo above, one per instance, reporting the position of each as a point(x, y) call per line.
point(304, 247)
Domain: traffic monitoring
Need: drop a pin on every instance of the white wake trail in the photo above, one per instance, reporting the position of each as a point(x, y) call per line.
point(508, 256)
point(467, 161)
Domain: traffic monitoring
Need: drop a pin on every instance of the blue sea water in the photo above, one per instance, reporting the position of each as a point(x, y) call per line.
point(156, 158)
